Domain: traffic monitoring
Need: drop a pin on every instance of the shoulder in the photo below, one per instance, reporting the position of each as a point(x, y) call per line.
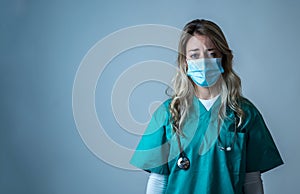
point(164, 106)
point(167, 102)
point(162, 112)
point(251, 113)
point(248, 107)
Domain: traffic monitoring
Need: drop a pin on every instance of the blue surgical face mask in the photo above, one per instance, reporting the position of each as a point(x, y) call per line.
point(205, 72)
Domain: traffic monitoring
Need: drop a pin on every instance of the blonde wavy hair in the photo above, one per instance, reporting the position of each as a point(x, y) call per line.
point(183, 87)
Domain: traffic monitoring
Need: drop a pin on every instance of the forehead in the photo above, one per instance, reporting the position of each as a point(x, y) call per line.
point(201, 42)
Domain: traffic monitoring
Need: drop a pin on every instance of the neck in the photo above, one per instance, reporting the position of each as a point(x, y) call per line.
point(206, 93)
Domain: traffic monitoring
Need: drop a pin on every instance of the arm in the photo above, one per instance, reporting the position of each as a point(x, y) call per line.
point(157, 184)
point(253, 183)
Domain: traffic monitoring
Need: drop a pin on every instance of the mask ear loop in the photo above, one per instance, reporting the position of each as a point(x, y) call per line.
point(183, 161)
point(186, 66)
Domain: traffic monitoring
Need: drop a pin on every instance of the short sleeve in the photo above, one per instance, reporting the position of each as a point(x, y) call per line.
point(261, 153)
point(152, 151)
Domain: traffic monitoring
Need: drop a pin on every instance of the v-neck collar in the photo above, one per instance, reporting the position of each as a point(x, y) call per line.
point(216, 104)
point(209, 102)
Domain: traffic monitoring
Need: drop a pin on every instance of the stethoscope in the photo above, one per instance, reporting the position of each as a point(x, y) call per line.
point(183, 161)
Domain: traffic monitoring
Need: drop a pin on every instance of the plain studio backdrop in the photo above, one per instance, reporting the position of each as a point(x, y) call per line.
point(42, 44)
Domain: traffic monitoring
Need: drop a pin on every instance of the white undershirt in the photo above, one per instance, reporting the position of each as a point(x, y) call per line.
point(208, 103)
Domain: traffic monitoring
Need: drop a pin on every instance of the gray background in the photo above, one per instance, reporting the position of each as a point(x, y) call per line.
point(43, 42)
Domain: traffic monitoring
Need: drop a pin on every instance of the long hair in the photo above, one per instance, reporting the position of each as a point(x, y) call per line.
point(183, 86)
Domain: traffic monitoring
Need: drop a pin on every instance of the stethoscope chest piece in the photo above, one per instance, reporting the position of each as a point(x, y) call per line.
point(183, 162)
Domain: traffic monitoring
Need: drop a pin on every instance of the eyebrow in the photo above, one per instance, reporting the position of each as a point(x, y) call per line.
point(196, 49)
point(193, 50)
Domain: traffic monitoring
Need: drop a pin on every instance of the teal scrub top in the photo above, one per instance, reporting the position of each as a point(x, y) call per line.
point(212, 170)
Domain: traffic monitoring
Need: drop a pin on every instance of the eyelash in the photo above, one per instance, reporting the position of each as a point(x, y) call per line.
point(196, 56)
point(213, 54)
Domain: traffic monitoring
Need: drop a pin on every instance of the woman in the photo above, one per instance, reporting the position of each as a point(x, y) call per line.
point(207, 138)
